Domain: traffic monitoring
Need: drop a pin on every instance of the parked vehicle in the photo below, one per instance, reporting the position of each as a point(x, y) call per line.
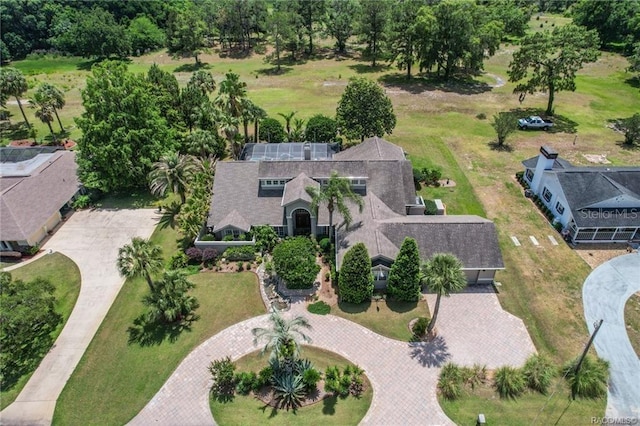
point(534, 122)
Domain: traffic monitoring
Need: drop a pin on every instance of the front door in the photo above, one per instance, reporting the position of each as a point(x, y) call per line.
point(302, 222)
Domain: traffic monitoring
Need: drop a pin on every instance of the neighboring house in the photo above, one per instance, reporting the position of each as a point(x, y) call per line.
point(267, 190)
point(36, 186)
point(593, 204)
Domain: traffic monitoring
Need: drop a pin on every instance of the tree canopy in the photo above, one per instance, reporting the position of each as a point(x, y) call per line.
point(364, 110)
point(404, 277)
point(123, 130)
point(355, 282)
point(295, 261)
point(548, 61)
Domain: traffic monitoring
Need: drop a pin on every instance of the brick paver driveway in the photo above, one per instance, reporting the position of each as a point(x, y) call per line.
point(403, 375)
point(91, 239)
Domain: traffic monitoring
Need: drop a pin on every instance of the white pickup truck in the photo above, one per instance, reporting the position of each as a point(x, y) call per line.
point(534, 122)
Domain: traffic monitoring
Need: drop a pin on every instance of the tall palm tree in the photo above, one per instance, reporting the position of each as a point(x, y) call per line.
point(173, 172)
point(54, 97)
point(229, 127)
point(44, 111)
point(140, 258)
point(287, 119)
point(231, 93)
point(297, 132)
point(170, 300)
point(335, 193)
point(13, 83)
point(443, 275)
point(251, 112)
point(283, 337)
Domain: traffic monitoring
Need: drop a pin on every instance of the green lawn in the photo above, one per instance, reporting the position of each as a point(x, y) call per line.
point(65, 275)
point(116, 378)
point(556, 409)
point(247, 410)
point(390, 319)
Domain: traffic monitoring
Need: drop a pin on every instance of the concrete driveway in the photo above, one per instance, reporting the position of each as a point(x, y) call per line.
point(91, 239)
point(604, 295)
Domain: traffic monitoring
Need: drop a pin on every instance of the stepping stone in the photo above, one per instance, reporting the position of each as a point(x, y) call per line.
point(553, 240)
point(515, 241)
point(533, 240)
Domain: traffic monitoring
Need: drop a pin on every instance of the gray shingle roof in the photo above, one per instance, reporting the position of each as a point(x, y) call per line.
point(234, 219)
point(372, 149)
point(296, 189)
point(27, 203)
point(558, 163)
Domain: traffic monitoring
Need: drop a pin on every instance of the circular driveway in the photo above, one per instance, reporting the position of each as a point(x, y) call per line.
point(604, 295)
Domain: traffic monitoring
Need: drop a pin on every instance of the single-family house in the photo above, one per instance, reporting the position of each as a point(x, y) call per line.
point(271, 189)
point(36, 185)
point(594, 204)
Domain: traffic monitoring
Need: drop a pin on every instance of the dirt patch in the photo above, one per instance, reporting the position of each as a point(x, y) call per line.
point(327, 293)
point(596, 254)
point(598, 159)
point(22, 143)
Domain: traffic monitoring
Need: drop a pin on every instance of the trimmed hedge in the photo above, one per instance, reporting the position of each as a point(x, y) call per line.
point(295, 262)
point(240, 253)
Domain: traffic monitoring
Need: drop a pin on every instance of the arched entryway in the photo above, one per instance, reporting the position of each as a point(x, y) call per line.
point(301, 222)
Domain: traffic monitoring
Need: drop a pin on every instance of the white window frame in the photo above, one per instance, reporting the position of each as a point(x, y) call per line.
point(529, 175)
point(545, 192)
point(559, 207)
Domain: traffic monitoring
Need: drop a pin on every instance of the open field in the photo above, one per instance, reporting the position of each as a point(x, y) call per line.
point(247, 410)
point(632, 320)
point(118, 375)
point(65, 275)
point(438, 126)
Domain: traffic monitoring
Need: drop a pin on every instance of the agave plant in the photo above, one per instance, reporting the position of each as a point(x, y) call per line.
point(289, 390)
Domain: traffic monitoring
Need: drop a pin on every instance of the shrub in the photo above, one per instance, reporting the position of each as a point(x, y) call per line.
point(224, 380)
point(194, 254)
point(431, 176)
point(209, 256)
point(450, 381)
point(295, 262)
point(321, 128)
point(420, 326)
point(245, 382)
point(264, 376)
point(82, 202)
point(242, 237)
point(325, 246)
point(509, 382)
point(404, 276)
point(538, 373)
point(430, 207)
point(558, 226)
point(240, 267)
point(242, 253)
point(227, 238)
point(474, 375)
point(591, 380)
point(266, 238)
point(310, 378)
point(319, 308)
point(271, 130)
point(356, 282)
point(481, 116)
point(519, 175)
point(504, 124)
point(33, 250)
point(178, 260)
point(208, 237)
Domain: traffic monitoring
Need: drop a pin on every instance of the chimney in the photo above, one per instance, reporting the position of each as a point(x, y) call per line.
point(307, 151)
point(546, 159)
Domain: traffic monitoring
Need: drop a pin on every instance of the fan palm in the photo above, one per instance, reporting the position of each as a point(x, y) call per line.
point(13, 83)
point(44, 111)
point(169, 301)
point(283, 336)
point(443, 275)
point(335, 193)
point(204, 81)
point(231, 93)
point(140, 258)
point(173, 172)
point(54, 97)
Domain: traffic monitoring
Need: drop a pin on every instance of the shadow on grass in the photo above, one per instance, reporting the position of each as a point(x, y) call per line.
point(503, 147)
point(274, 70)
point(89, 63)
point(628, 146)
point(418, 84)
point(134, 199)
point(430, 354)
point(633, 82)
point(235, 53)
point(401, 307)
point(354, 308)
point(329, 405)
point(152, 333)
point(192, 67)
point(367, 68)
point(561, 123)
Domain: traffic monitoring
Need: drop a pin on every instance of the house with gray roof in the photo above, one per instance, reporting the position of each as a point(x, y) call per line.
point(271, 190)
point(36, 185)
point(593, 204)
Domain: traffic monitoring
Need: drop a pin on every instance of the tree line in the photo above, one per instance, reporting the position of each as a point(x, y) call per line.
point(437, 35)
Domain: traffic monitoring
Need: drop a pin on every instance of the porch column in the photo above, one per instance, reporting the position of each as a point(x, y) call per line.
point(314, 225)
point(290, 225)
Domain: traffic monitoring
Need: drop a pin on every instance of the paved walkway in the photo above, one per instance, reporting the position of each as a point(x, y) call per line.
point(604, 294)
point(91, 239)
point(403, 375)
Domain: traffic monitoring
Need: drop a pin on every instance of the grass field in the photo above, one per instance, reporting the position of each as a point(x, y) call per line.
point(246, 410)
point(437, 125)
point(65, 275)
point(632, 320)
point(117, 377)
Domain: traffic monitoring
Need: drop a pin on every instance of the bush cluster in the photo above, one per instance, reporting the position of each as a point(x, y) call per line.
point(295, 262)
point(430, 207)
point(319, 308)
point(420, 326)
point(240, 253)
point(345, 382)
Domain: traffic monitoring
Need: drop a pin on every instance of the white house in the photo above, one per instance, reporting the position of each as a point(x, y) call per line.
point(593, 204)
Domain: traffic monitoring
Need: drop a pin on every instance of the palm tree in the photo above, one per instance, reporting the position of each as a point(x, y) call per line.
point(335, 193)
point(287, 120)
point(204, 81)
point(173, 173)
point(251, 112)
point(13, 83)
point(443, 275)
point(229, 127)
point(257, 114)
point(44, 111)
point(170, 301)
point(140, 258)
point(54, 97)
point(297, 133)
point(231, 93)
point(283, 336)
